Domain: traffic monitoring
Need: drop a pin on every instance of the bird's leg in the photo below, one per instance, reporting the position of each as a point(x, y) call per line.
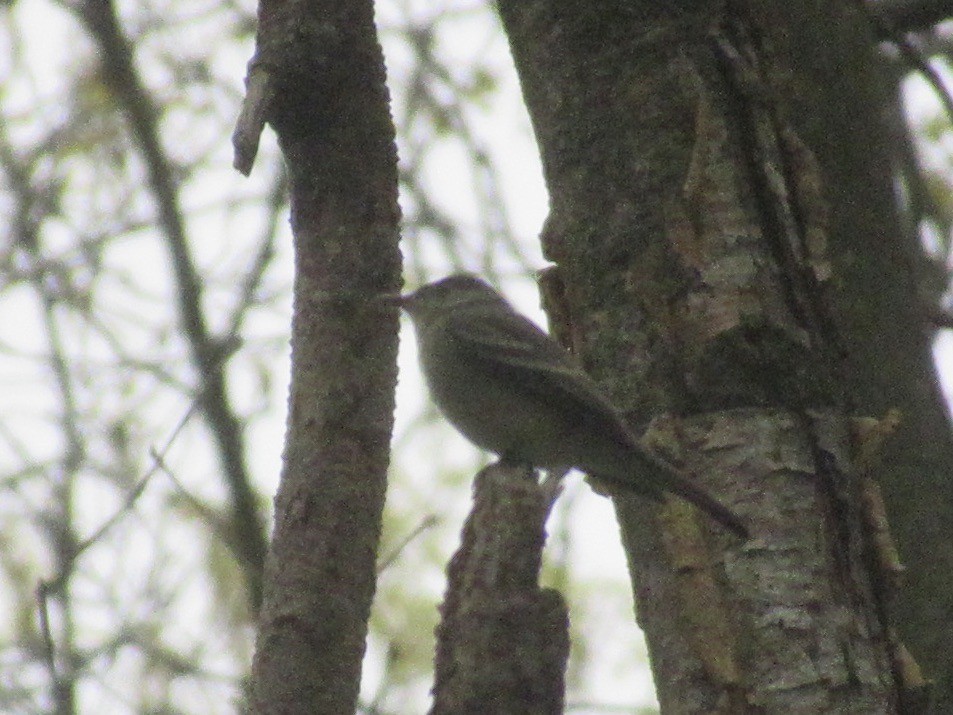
point(510, 461)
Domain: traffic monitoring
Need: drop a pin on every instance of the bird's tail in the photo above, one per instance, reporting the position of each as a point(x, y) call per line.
point(691, 492)
point(663, 477)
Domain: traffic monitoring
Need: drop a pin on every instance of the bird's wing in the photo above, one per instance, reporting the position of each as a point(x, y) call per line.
point(536, 364)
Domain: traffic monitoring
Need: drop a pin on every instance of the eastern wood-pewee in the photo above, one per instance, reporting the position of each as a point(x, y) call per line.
point(511, 389)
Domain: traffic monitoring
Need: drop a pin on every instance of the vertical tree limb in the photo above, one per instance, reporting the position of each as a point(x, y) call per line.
point(502, 642)
point(329, 108)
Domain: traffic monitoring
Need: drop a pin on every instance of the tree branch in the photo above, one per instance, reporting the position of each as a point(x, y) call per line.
point(502, 643)
point(329, 108)
point(120, 75)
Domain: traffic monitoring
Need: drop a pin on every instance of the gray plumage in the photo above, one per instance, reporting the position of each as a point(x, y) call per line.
point(512, 390)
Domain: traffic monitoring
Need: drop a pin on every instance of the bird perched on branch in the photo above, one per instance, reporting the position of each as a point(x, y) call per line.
point(511, 389)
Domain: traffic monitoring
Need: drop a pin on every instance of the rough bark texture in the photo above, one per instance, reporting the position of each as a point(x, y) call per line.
point(691, 232)
point(502, 642)
point(835, 90)
point(329, 107)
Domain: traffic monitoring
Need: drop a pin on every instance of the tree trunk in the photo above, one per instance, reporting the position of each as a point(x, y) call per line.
point(719, 224)
point(318, 76)
point(833, 71)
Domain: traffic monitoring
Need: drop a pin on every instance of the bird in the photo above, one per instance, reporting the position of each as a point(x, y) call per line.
point(512, 390)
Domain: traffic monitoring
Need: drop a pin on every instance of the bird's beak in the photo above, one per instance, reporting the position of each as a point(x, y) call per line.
point(396, 299)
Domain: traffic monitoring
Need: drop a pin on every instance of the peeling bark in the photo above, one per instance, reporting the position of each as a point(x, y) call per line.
point(695, 278)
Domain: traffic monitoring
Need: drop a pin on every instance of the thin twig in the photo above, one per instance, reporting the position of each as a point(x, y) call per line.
point(49, 648)
point(428, 522)
point(136, 492)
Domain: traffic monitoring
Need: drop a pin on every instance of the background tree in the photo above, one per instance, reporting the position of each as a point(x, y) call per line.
point(140, 270)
